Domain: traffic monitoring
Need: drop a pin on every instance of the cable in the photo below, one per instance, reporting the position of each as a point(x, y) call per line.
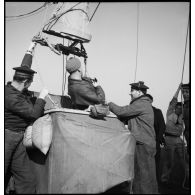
point(57, 18)
point(64, 71)
point(23, 15)
point(137, 40)
point(94, 11)
point(183, 183)
point(185, 49)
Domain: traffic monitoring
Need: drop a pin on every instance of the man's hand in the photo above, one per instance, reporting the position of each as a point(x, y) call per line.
point(44, 92)
point(89, 108)
point(95, 83)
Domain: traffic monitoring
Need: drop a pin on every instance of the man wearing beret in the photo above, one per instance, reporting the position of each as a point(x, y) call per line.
point(140, 117)
point(83, 91)
point(19, 113)
point(185, 88)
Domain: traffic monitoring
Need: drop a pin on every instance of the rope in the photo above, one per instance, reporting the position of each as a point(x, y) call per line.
point(183, 183)
point(94, 11)
point(27, 14)
point(57, 18)
point(44, 19)
point(64, 72)
point(137, 41)
point(63, 82)
point(185, 49)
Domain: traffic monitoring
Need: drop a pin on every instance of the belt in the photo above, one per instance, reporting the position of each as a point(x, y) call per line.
point(169, 134)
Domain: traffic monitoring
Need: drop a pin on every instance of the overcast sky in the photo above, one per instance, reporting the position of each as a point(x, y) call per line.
point(112, 49)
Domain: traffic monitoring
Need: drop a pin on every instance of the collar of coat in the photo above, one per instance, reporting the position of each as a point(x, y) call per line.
point(138, 98)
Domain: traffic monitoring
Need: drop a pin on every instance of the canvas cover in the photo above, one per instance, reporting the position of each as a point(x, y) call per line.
point(89, 155)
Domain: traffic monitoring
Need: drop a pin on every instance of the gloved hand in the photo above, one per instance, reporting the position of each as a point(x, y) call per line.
point(43, 93)
point(95, 82)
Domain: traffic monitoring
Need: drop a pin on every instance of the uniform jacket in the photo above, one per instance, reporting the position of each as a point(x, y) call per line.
point(19, 109)
point(140, 119)
point(83, 93)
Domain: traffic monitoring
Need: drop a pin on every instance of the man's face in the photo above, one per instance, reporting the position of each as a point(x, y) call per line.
point(186, 94)
point(27, 84)
point(134, 93)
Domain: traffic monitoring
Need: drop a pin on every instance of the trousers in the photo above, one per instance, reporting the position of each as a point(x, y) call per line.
point(18, 164)
point(144, 170)
point(174, 154)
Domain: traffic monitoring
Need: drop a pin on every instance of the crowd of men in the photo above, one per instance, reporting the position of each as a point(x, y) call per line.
point(144, 121)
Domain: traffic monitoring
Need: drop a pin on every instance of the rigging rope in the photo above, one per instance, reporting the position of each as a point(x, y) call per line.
point(94, 11)
point(183, 184)
point(27, 14)
point(185, 49)
point(57, 18)
point(137, 41)
point(44, 19)
point(64, 71)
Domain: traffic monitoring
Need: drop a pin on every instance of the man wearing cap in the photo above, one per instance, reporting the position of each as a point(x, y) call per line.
point(140, 117)
point(19, 113)
point(185, 89)
point(159, 127)
point(83, 91)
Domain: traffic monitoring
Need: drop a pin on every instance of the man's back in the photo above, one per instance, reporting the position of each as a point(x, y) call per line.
point(83, 93)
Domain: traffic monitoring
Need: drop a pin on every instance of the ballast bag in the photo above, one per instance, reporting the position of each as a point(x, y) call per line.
point(42, 133)
point(27, 140)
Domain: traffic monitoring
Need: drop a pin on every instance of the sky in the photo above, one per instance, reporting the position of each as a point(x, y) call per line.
point(112, 49)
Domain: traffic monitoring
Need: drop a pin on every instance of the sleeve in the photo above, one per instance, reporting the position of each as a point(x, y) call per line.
point(171, 107)
point(125, 111)
point(93, 95)
point(100, 94)
point(24, 108)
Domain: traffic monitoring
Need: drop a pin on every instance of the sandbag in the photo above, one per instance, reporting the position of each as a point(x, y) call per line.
point(42, 133)
point(27, 140)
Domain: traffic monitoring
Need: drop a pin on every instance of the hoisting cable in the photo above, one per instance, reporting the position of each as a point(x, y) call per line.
point(27, 14)
point(94, 12)
point(57, 17)
point(44, 19)
point(183, 145)
point(137, 41)
point(185, 49)
point(44, 40)
point(64, 71)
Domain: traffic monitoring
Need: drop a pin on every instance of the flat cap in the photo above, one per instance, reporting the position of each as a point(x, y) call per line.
point(24, 69)
point(139, 86)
